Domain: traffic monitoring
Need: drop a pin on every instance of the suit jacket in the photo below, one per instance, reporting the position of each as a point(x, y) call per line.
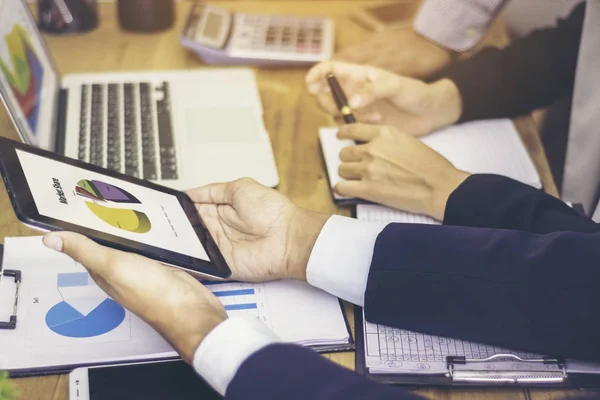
point(513, 267)
point(533, 72)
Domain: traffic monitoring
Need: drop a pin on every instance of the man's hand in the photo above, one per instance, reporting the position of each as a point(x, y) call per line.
point(171, 301)
point(403, 52)
point(381, 97)
point(262, 235)
point(396, 170)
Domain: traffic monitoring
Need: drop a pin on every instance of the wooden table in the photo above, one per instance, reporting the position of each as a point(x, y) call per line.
point(291, 117)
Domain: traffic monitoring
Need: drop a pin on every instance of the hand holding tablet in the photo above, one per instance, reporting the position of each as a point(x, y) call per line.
point(51, 192)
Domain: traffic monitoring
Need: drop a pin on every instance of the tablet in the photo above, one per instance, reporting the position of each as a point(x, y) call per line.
point(51, 192)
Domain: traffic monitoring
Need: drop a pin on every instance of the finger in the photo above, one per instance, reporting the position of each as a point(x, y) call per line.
point(351, 170)
point(215, 193)
point(327, 104)
point(369, 117)
point(90, 254)
point(367, 114)
point(352, 153)
point(220, 193)
point(212, 221)
point(210, 217)
point(352, 188)
point(380, 85)
point(228, 215)
point(360, 132)
point(316, 78)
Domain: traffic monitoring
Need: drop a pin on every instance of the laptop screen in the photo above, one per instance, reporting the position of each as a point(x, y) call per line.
point(28, 80)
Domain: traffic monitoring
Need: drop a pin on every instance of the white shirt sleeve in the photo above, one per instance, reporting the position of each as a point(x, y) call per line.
point(341, 258)
point(339, 264)
point(456, 24)
point(226, 347)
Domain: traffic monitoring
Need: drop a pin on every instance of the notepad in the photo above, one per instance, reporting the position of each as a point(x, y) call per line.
point(66, 320)
point(398, 351)
point(491, 146)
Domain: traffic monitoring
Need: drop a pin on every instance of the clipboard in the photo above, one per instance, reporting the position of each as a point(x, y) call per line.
point(557, 378)
point(14, 324)
point(11, 323)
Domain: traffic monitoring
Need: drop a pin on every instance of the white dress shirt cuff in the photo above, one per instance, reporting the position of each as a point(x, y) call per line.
point(341, 258)
point(226, 347)
point(456, 24)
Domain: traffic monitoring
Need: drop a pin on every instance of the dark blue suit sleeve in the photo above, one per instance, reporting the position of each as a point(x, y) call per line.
point(515, 289)
point(493, 201)
point(285, 371)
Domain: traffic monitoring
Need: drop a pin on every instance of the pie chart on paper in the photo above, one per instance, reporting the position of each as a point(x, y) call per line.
point(86, 311)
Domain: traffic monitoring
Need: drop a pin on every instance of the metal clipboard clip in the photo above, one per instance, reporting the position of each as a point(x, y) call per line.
point(12, 322)
point(558, 375)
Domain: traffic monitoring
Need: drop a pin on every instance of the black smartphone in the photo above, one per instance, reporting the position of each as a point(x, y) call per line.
point(166, 380)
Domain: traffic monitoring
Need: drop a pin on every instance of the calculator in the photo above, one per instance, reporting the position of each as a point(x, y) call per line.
point(219, 36)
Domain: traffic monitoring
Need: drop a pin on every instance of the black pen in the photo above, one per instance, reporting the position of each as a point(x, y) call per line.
point(340, 99)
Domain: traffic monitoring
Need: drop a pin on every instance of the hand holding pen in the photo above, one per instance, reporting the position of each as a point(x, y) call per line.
point(383, 98)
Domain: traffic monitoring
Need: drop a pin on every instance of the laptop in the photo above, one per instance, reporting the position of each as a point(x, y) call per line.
point(181, 129)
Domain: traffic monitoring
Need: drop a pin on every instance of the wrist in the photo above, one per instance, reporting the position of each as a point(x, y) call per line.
point(303, 232)
point(447, 102)
point(442, 191)
point(186, 336)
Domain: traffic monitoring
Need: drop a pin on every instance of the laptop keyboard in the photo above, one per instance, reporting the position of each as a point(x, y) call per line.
point(128, 128)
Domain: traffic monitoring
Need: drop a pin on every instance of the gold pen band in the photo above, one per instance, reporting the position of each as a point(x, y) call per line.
point(346, 110)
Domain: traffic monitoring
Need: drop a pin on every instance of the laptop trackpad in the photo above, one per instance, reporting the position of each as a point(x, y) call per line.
point(221, 125)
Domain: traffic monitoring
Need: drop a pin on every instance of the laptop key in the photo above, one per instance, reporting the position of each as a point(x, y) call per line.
point(150, 172)
point(166, 144)
point(97, 126)
point(113, 149)
point(130, 125)
point(83, 122)
point(149, 168)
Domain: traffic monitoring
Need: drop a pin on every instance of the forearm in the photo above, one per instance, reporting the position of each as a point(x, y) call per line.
point(511, 289)
point(493, 201)
point(529, 73)
point(291, 372)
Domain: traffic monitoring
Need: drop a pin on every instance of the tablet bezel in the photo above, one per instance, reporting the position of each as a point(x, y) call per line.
point(27, 212)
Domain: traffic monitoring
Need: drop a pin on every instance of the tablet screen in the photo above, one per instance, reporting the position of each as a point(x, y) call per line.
point(110, 205)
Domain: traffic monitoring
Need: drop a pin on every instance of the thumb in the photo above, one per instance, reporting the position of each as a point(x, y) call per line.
point(81, 249)
point(380, 85)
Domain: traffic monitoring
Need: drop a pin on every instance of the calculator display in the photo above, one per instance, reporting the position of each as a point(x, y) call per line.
point(212, 26)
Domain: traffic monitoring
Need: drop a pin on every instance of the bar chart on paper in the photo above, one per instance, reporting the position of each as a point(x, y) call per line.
point(241, 298)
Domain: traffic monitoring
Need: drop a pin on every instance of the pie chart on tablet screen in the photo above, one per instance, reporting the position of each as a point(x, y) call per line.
point(103, 200)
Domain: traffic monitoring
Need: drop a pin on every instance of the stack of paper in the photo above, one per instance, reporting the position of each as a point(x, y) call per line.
point(66, 320)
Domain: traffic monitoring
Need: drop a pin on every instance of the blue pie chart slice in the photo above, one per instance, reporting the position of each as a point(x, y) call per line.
point(67, 321)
